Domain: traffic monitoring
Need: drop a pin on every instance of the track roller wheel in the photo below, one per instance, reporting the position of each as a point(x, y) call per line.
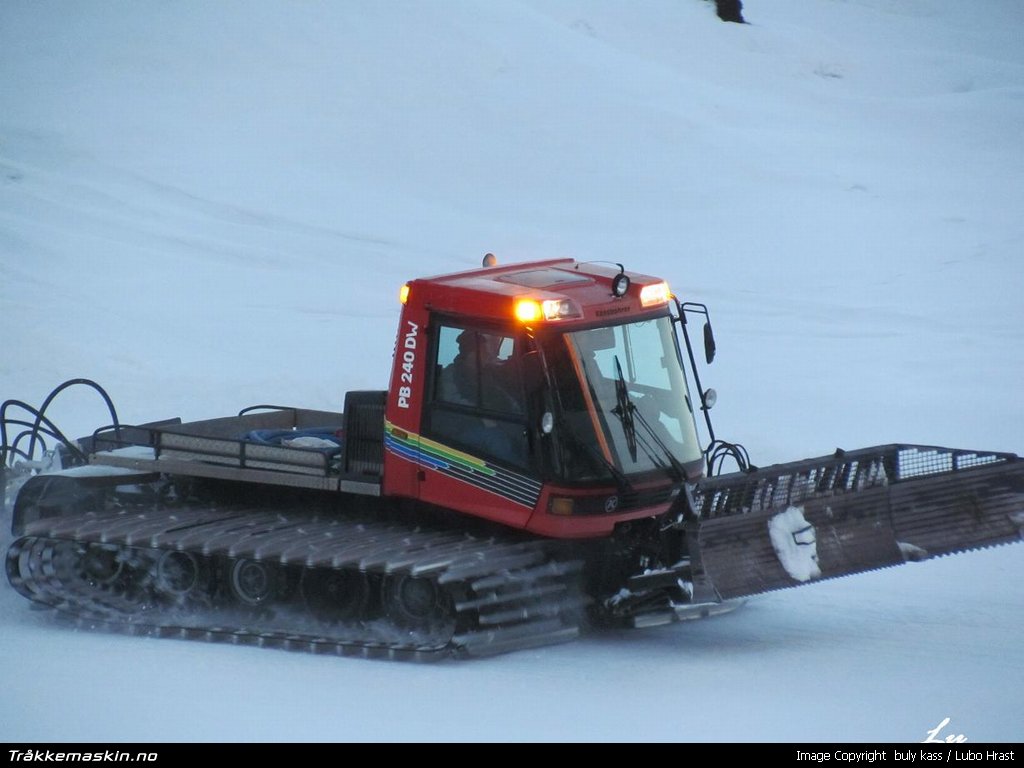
point(335, 595)
point(178, 573)
point(101, 564)
point(415, 602)
point(253, 582)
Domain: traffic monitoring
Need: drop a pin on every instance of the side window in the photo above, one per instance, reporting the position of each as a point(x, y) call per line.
point(478, 400)
point(478, 369)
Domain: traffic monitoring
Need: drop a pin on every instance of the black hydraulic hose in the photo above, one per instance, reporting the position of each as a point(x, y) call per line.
point(266, 408)
point(14, 450)
point(23, 435)
point(51, 429)
point(70, 383)
point(48, 431)
point(42, 425)
point(721, 450)
point(35, 428)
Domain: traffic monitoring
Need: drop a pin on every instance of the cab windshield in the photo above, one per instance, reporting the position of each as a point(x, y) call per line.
point(623, 401)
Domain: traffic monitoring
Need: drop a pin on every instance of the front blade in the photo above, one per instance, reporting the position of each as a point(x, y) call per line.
point(792, 524)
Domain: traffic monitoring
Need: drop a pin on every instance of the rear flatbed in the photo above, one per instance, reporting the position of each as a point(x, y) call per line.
point(294, 447)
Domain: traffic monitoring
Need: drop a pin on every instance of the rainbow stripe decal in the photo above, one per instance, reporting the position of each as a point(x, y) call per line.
point(461, 466)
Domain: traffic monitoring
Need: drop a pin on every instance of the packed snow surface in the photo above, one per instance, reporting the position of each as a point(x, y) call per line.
point(205, 206)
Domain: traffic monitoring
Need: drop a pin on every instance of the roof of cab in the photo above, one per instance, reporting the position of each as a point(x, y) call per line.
point(491, 292)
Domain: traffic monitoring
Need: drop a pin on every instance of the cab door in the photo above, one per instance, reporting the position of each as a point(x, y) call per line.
point(475, 446)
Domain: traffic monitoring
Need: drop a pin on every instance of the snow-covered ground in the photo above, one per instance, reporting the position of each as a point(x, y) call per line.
point(209, 205)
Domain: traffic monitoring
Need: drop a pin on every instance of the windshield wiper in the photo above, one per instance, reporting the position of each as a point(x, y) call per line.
point(679, 471)
point(566, 427)
point(627, 412)
point(624, 409)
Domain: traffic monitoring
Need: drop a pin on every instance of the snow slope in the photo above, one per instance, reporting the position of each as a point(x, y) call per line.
point(209, 205)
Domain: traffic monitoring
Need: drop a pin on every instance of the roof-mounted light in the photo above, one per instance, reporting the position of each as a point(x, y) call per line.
point(403, 294)
point(559, 309)
point(531, 310)
point(528, 311)
point(655, 294)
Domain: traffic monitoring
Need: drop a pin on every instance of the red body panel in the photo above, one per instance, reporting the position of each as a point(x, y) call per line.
point(420, 468)
point(545, 523)
point(404, 404)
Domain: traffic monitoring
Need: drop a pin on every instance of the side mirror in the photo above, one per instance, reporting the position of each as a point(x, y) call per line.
point(547, 422)
point(709, 343)
point(710, 397)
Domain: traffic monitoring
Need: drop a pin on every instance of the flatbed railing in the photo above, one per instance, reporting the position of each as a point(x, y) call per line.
point(233, 440)
point(844, 472)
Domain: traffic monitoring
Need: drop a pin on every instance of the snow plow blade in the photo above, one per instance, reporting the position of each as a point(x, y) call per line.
point(855, 511)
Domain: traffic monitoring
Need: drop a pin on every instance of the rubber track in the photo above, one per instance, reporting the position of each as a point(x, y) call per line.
point(509, 594)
